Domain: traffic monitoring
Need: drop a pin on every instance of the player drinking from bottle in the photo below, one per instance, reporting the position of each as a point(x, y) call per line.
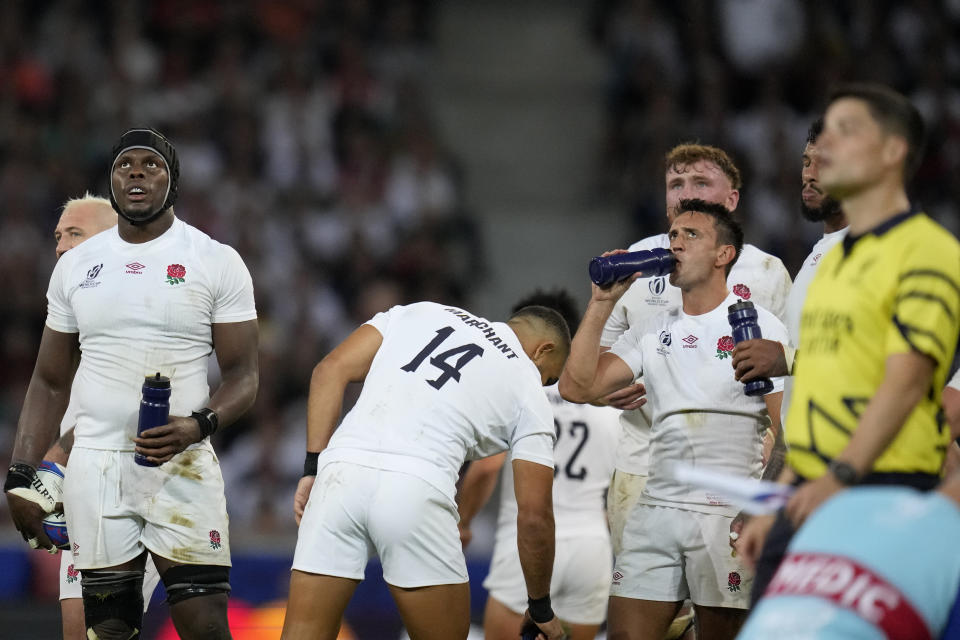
point(675, 539)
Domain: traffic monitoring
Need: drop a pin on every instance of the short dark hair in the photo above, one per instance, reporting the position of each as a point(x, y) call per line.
point(729, 230)
point(552, 319)
point(894, 113)
point(559, 300)
point(816, 128)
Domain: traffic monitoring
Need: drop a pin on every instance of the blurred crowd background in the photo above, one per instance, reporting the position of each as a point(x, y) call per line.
point(309, 140)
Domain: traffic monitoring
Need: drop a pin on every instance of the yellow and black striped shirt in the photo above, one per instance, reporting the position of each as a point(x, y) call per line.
point(893, 290)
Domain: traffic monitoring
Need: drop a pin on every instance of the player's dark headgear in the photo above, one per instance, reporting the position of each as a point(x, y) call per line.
point(147, 138)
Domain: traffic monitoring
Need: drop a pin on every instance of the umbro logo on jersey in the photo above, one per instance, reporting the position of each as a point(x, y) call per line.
point(815, 259)
point(617, 577)
point(91, 280)
point(691, 341)
point(135, 267)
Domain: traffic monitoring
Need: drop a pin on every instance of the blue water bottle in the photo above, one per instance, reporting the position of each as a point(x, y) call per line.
point(154, 409)
point(742, 317)
point(605, 270)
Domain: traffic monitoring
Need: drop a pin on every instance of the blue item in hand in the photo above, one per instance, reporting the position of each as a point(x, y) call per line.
point(154, 409)
point(743, 322)
point(605, 270)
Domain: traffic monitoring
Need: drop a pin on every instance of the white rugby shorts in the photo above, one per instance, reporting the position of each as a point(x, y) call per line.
point(580, 583)
point(625, 489)
point(672, 554)
point(355, 512)
point(115, 508)
point(70, 579)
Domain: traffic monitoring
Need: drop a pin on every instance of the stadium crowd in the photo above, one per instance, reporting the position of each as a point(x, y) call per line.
point(306, 142)
point(749, 76)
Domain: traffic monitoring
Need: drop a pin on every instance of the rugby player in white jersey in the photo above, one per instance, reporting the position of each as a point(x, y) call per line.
point(156, 295)
point(440, 386)
point(81, 218)
point(674, 543)
point(692, 171)
point(584, 452)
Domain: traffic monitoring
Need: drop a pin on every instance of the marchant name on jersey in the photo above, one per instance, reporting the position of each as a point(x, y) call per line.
point(487, 331)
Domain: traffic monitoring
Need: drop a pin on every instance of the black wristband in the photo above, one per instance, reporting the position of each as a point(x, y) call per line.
point(208, 420)
point(310, 463)
point(19, 475)
point(540, 609)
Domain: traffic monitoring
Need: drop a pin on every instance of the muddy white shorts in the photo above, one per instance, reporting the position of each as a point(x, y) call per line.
point(580, 584)
point(625, 489)
point(673, 554)
point(355, 512)
point(115, 508)
point(70, 579)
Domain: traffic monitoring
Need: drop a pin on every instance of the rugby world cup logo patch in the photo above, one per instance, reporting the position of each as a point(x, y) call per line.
point(176, 273)
point(91, 279)
point(657, 285)
point(214, 539)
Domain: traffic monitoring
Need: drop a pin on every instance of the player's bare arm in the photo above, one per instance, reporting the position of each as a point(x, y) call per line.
point(754, 530)
point(632, 396)
point(236, 347)
point(907, 378)
point(759, 359)
point(348, 362)
point(590, 371)
point(47, 397)
point(59, 452)
point(951, 410)
point(533, 486)
point(475, 490)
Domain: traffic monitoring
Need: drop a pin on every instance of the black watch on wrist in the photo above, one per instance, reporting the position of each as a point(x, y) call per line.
point(844, 473)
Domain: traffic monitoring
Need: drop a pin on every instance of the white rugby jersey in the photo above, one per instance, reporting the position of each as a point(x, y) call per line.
point(756, 276)
point(142, 309)
point(700, 413)
point(584, 452)
point(798, 293)
point(444, 387)
point(955, 380)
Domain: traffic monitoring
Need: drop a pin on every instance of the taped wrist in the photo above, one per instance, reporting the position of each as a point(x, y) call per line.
point(208, 421)
point(310, 463)
point(540, 609)
point(22, 481)
point(19, 475)
point(790, 357)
